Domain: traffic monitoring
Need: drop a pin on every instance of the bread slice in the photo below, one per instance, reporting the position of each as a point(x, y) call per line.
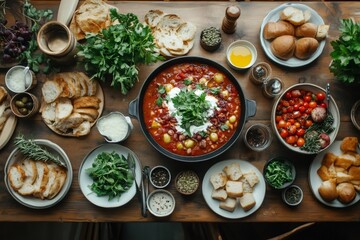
point(153, 17)
point(345, 160)
point(218, 180)
point(288, 12)
point(297, 18)
point(219, 194)
point(247, 201)
point(91, 84)
point(67, 124)
point(186, 31)
point(229, 204)
point(49, 112)
point(246, 185)
point(53, 170)
point(63, 108)
point(87, 102)
point(169, 22)
point(51, 90)
point(83, 83)
point(93, 113)
point(16, 176)
point(251, 178)
point(58, 184)
point(354, 172)
point(3, 94)
point(329, 159)
point(343, 177)
point(322, 32)
point(234, 189)
point(233, 171)
point(29, 166)
point(83, 129)
point(41, 179)
point(349, 144)
point(324, 173)
point(187, 46)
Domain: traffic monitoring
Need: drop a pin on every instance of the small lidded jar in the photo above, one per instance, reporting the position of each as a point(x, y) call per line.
point(272, 87)
point(258, 137)
point(260, 72)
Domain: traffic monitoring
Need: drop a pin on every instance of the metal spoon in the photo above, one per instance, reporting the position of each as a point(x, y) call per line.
point(27, 83)
point(328, 94)
point(145, 189)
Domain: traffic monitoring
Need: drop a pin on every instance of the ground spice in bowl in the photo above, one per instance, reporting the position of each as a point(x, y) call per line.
point(292, 195)
point(187, 182)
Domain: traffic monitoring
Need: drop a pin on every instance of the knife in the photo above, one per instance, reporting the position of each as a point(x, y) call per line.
point(132, 166)
point(66, 10)
point(145, 189)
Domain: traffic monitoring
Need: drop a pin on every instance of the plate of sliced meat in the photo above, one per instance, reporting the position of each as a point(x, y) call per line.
point(71, 103)
point(38, 184)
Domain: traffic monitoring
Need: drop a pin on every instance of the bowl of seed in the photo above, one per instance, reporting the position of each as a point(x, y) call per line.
point(210, 39)
point(187, 182)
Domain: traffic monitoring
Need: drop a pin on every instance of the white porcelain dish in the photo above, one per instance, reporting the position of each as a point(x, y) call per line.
point(85, 180)
point(315, 181)
point(259, 190)
point(30, 201)
point(242, 43)
point(273, 16)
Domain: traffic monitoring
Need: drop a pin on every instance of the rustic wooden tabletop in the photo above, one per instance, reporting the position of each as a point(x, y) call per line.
point(75, 207)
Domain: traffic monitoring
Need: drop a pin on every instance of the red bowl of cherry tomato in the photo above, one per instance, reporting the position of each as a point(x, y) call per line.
point(304, 120)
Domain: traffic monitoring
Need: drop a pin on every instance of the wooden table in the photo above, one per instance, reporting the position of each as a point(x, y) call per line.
point(75, 207)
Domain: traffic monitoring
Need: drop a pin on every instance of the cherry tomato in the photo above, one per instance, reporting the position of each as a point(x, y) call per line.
point(291, 121)
point(296, 107)
point(288, 95)
point(313, 104)
point(306, 104)
point(300, 142)
point(291, 140)
point(297, 125)
point(300, 132)
point(324, 105)
point(295, 93)
point(282, 123)
point(284, 133)
point(278, 118)
point(292, 130)
point(308, 123)
point(290, 109)
point(320, 96)
point(302, 109)
point(307, 98)
point(296, 114)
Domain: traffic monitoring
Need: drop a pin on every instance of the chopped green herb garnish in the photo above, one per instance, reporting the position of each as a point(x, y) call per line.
point(187, 82)
point(278, 172)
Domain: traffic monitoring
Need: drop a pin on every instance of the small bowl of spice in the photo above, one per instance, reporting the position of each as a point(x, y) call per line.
point(210, 39)
point(187, 182)
point(292, 195)
point(24, 104)
point(258, 137)
point(160, 176)
point(279, 172)
point(160, 203)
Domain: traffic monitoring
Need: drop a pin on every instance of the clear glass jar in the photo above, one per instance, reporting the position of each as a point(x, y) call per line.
point(258, 137)
point(260, 72)
point(272, 87)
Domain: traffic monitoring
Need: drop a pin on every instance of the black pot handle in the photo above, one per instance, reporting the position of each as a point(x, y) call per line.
point(250, 108)
point(134, 108)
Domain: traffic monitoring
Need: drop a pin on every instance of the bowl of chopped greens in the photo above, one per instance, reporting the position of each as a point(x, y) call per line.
point(279, 172)
point(305, 118)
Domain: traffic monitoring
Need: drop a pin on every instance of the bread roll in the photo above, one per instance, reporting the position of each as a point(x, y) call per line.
point(306, 30)
point(275, 29)
point(283, 47)
point(327, 190)
point(247, 201)
point(346, 192)
point(349, 144)
point(322, 32)
point(305, 47)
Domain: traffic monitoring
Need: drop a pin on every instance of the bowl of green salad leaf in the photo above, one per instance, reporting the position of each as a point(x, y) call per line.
point(279, 172)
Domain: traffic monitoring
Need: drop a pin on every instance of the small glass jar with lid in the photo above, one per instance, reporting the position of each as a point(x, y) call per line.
point(260, 72)
point(272, 87)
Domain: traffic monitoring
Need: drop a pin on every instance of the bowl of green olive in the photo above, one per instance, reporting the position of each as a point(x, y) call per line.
point(24, 104)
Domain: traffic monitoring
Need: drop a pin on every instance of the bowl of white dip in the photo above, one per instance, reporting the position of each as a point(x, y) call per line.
point(114, 127)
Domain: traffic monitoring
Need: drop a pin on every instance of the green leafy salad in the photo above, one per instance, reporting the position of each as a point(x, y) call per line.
point(115, 51)
point(111, 175)
point(278, 173)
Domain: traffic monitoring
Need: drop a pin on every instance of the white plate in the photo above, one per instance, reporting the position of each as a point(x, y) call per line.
point(273, 16)
point(315, 181)
point(85, 180)
point(30, 201)
point(259, 190)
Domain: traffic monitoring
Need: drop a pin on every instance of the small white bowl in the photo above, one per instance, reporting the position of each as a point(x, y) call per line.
point(114, 127)
point(242, 43)
point(17, 80)
point(160, 203)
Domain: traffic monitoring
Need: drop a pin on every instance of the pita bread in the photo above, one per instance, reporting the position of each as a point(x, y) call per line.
point(153, 17)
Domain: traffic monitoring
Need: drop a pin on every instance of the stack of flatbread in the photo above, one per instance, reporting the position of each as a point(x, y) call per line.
point(70, 105)
point(5, 111)
point(37, 178)
point(173, 36)
point(91, 17)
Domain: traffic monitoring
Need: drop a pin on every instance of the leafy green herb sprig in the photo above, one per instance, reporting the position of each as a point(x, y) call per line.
point(111, 175)
point(36, 152)
point(116, 51)
point(346, 53)
point(37, 61)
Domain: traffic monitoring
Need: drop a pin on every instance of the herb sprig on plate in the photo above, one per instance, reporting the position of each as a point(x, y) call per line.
point(116, 51)
point(111, 175)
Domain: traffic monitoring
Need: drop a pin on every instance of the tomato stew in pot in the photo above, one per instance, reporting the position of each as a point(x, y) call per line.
point(191, 109)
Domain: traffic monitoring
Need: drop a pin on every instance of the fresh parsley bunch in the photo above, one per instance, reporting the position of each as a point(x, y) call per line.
point(117, 50)
point(346, 54)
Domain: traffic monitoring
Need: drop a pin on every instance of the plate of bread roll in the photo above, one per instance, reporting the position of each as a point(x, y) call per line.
point(334, 175)
point(293, 35)
point(233, 188)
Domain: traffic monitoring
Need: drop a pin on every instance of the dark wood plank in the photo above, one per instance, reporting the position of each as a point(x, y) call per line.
point(75, 207)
